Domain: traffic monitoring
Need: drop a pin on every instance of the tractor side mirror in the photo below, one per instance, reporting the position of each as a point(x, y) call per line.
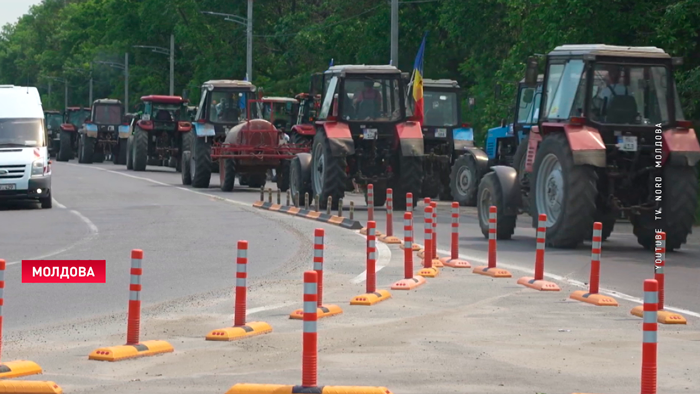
point(528, 94)
point(531, 72)
point(497, 91)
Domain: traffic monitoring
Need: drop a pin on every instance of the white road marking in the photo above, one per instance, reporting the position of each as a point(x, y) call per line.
point(94, 232)
point(572, 282)
point(267, 308)
point(382, 260)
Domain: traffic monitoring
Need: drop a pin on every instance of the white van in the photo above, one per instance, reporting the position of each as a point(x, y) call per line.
point(25, 168)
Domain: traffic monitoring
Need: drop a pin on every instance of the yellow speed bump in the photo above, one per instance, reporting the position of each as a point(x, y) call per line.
point(117, 353)
point(390, 239)
point(371, 298)
point(541, 285)
point(414, 247)
point(431, 272)
point(408, 284)
point(29, 387)
point(250, 329)
point(246, 388)
point(595, 299)
point(15, 369)
point(321, 312)
point(492, 272)
point(663, 317)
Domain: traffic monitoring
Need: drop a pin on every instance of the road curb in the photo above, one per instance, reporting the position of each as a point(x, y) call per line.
point(309, 214)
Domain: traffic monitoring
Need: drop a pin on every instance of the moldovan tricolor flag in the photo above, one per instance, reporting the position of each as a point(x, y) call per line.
point(418, 82)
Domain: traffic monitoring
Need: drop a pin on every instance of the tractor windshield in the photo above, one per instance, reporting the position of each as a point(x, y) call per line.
point(280, 113)
point(78, 117)
point(228, 106)
point(630, 95)
point(562, 85)
point(441, 109)
point(53, 121)
point(375, 99)
point(165, 112)
point(110, 114)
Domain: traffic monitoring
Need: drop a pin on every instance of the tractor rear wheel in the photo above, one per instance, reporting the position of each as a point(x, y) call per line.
point(464, 184)
point(87, 148)
point(299, 181)
point(229, 175)
point(256, 181)
point(65, 151)
point(140, 147)
point(328, 176)
point(379, 195)
point(410, 181)
point(120, 156)
point(519, 160)
point(186, 174)
point(490, 194)
point(201, 163)
point(680, 187)
point(130, 153)
point(283, 175)
point(564, 191)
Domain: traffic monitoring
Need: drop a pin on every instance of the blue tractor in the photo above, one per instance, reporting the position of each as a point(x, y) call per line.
point(505, 145)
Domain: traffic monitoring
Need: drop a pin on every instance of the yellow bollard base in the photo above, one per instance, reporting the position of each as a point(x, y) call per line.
point(437, 263)
point(143, 349)
point(247, 388)
point(321, 312)
point(595, 299)
point(414, 247)
point(371, 298)
point(389, 239)
point(662, 316)
point(408, 284)
point(377, 233)
point(15, 369)
point(250, 329)
point(29, 387)
point(428, 272)
point(541, 285)
point(492, 272)
point(455, 263)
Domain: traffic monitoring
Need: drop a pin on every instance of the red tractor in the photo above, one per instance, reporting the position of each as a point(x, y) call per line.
point(250, 149)
point(158, 136)
point(303, 130)
point(73, 119)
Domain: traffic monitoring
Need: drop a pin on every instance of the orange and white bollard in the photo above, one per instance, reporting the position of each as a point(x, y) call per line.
point(133, 347)
point(309, 366)
point(241, 328)
point(592, 296)
point(429, 270)
point(409, 208)
point(649, 338)
point(372, 295)
point(665, 317)
point(436, 258)
point(370, 207)
point(426, 203)
point(537, 282)
point(409, 281)
point(322, 310)
point(454, 261)
point(491, 270)
point(389, 237)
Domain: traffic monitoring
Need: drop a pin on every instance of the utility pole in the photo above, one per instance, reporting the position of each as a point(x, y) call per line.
point(249, 50)
point(90, 100)
point(126, 82)
point(395, 33)
point(172, 64)
point(65, 99)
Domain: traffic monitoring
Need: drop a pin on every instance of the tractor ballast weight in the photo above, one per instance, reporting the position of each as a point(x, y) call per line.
point(158, 135)
point(363, 135)
point(104, 134)
point(614, 141)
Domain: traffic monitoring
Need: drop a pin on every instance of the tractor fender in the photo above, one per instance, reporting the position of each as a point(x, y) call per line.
point(304, 129)
point(512, 196)
point(492, 137)
point(463, 138)
point(91, 130)
point(586, 144)
point(68, 127)
point(204, 130)
point(305, 161)
point(680, 147)
point(124, 131)
point(481, 160)
point(409, 137)
point(339, 138)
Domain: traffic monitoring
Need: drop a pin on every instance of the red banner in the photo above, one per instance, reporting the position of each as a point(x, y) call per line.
point(64, 271)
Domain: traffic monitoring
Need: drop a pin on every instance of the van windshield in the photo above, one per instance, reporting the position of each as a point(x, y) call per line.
point(22, 132)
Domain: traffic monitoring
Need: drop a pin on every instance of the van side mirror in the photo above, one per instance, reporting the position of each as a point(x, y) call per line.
point(528, 94)
point(531, 72)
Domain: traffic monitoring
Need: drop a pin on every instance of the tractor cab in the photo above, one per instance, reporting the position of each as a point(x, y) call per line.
point(224, 104)
point(106, 116)
point(502, 141)
point(75, 117)
point(280, 111)
point(52, 125)
point(442, 118)
point(164, 113)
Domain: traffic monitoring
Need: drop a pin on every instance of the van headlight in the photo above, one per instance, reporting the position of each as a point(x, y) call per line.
point(38, 168)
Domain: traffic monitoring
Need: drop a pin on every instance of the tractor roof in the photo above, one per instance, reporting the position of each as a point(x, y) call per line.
point(281, 99)
point(52, 112)
point(107, 102)
point(609, 50)
point(441, 83)
point(229, 84)
point(164, 99)
point(363, 69)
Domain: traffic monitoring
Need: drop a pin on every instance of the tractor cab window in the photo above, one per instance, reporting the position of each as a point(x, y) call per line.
point(165, 112)
point(630, 95)
point(366, 98)
point(53, 121)
point(77, 117)
point(565, 93)
point(440, 109)
point(228, 106)
point(528, 105)
point(108, 114)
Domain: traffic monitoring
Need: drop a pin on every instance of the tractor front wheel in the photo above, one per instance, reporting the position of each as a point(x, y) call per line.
point(328, 176)
point(228, 178)
point(87, 149)
point(130, 152)
point(463, 181)
point(565, 192)
point(120, 149)
point(65, 151)
point(201, 163)
point(490, 194)
point(410, 181)
point(140, 147)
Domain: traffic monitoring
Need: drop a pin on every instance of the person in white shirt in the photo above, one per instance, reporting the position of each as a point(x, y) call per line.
point(613, 88)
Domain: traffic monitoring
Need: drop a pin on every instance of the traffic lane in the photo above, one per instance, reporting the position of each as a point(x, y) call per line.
point(31, 233)
point(624, 266)
point(188, 242)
